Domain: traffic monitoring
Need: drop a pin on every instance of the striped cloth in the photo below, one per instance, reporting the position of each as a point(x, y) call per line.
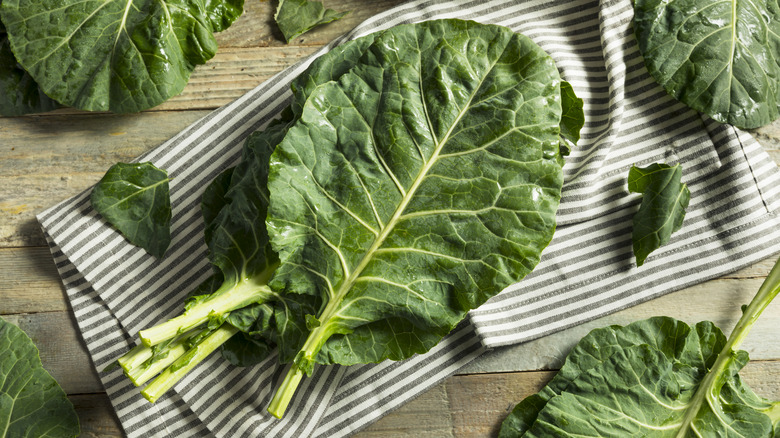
point(588, 270)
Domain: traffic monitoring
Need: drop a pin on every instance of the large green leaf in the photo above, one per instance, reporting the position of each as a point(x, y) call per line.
point(721, 57)
point(117, 55)
point(417, 186)
point(664, 200)
point(642, 380)
point(19, 94)
point(32, 404)
point(234, 209)
point(296, 17)
point(134, 198)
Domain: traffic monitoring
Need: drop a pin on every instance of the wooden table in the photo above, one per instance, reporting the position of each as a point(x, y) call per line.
point(49, 157)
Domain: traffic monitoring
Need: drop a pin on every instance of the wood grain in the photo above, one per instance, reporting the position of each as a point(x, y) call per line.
point(463, 406)
point(47, 159)
point(61, 349)
point(256, 28)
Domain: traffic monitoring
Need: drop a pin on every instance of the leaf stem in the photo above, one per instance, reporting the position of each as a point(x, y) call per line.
point(710, 387)
point(142, 363)
point(227, 298)
point(187, 362)
point(285, 393)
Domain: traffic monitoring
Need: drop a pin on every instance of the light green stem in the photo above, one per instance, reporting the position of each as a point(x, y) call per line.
point(226, 299)
point(140, 366)
point(187, 362)
point(285, 393)
point(303, 363)
point(710, 387)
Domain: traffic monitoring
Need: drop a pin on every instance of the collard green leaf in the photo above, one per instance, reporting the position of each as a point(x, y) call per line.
point(721, 58)
point(572, 119)
point(32, 404)
point(134, 199)
point(19, 94)
point(212, 201)
point(415, 187)
point(243, 350)
point(664, 201)
point(222, 13)
point(296, 17)
point(117, 55)
point(573, 115)
point(234, 209)
point(640, 380)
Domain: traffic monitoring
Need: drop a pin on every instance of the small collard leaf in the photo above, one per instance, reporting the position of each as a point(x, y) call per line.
point(664, 201)
point(572, 116)
point(32, 404)
point(719, 58)
point(296, 17)
point(134, 198)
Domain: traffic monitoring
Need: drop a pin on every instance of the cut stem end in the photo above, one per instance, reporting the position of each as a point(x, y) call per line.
point(285, 392)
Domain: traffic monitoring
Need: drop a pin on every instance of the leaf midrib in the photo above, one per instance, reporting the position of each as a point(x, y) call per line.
point(143, 189)
point(733, 44)
point(333, 306)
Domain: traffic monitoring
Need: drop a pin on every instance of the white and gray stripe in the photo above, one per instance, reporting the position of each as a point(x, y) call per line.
point(116, 289)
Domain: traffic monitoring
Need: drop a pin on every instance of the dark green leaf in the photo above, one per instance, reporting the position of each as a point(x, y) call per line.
point(573, 116)
point(213, 200)
point(134, 199)
point(234, 211)
point(222, 13)
point(32, 404)
point(402, 200)
point(243, 350)
point(117, 55)
point(522, 416)
point(664, 201)
point(640, 380)
point(720, 58)
point(19, 94)
point(296, 17)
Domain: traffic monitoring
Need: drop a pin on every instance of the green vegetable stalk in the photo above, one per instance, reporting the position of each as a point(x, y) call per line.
point(655, 377)
point(228, 298)
point(710, 388)
point(142, 363)
point(187, 362)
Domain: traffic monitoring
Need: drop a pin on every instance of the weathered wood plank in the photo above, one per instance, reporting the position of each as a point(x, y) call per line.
point(479, 403)
point(61, 349)
point(256, 27)
point(30, 282)
point(252, 50)
point(96, 416)
point(718, 301)
point(44, 160)
point(463, 406)
point(232, 73)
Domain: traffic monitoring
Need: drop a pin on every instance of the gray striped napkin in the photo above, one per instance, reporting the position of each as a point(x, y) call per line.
point(588, 271)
